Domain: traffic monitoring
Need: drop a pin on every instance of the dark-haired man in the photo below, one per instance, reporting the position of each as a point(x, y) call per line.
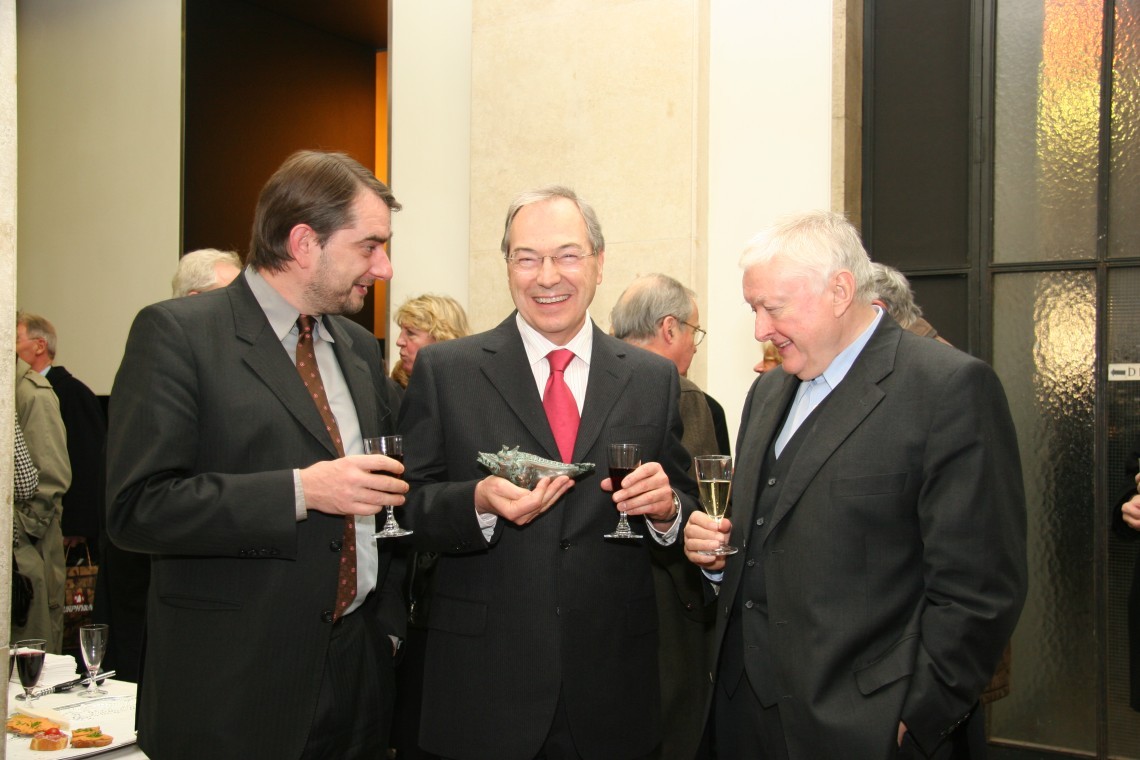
point(235, 460)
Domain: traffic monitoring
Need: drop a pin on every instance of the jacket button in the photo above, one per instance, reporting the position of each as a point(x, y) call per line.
point(336, 545)
point(565, 544)
point(759, 521)
point(689, 606)
point(749, 604)
point(751, 562)
point(771, 482)
point(327, 616)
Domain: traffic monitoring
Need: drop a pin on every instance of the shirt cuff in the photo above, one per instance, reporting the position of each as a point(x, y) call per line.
point(667, 537)
point(487, 523)
point(299, 497)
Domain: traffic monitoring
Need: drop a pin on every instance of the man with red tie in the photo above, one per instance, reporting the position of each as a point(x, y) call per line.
point(236, 460)
point(543, 639)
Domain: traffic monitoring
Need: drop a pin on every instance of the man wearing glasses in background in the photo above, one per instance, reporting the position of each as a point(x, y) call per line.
point(543, 634)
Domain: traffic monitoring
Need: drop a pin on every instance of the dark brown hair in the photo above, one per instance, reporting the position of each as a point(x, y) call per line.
point(312, 187)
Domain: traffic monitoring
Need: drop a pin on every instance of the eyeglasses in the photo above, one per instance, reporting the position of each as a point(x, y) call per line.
point(564, 262)
point(698, 333)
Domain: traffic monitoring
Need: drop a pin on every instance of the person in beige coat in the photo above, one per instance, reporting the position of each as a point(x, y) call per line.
point(38, 540)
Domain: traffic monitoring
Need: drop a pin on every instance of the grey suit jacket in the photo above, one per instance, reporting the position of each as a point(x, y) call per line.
point(895, 556)
point(208, 419)
point(551, 608)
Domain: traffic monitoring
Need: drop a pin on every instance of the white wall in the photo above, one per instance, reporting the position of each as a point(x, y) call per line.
point(429, 70)
point(769, 153)
point(100, 126)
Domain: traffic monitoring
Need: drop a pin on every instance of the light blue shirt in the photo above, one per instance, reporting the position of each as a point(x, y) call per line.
point(283, 321)
point(811, 393)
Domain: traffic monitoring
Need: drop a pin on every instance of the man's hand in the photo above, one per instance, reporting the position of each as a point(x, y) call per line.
point(353, 485)
point(902, 732)
point(702, 534)
point(499, 496)
point(645, 491)
point(1131, 509)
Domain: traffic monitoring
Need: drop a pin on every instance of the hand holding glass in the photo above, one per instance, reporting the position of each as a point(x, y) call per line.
point(391, 446)
point(29, 655)
point(624, 458)
point(93, 645)
point(714, 479)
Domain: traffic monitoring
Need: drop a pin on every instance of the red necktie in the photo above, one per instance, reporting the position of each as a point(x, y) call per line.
point(558, 401)
point(311, 376)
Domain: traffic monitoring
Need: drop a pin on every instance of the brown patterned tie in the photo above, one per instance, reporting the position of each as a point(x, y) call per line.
point(311, 376)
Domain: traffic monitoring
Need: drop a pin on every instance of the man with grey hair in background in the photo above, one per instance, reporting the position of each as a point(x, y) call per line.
point(659, 314)
point(204, 270)
point(893, 293)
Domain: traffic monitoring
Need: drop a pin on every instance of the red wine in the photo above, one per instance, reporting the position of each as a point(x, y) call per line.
point(29, 663)
point(618, 474)
point(398, 457)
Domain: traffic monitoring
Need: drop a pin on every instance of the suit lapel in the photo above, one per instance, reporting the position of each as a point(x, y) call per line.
point(846, 408)
point(507, 368)
point(608, 377)
point(270, 362)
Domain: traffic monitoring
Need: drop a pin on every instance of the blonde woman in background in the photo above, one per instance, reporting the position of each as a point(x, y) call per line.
point(424, 320)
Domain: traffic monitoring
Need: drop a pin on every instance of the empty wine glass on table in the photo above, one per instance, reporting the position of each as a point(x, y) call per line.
point(391, 446)
point(93, 645)
point(624, 458)
point(714, 480)
point(29, 654)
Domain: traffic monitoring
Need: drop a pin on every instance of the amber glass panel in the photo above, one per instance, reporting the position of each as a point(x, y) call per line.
point(1122, 410)
point(1047, 98)
point(1124, 183)
point(1044, 351)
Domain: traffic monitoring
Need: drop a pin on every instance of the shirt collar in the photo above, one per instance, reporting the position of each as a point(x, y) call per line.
point(842, 363)
point(537, 346)
point(281, 314)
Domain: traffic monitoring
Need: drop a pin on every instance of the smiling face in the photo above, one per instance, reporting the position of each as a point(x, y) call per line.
point(553, 301)
point(352, 259)
point(799, 313)
point(410, 341)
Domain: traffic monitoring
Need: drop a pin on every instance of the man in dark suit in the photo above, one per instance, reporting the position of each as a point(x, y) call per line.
point(543, 638)
point(86, 433)
point(880, 514)
point(224, 469)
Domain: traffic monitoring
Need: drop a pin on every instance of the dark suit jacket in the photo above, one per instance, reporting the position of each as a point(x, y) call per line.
point(551, 608)
point(87, 449)
point(895, 555)
point(208, 419)
point(1124, 531)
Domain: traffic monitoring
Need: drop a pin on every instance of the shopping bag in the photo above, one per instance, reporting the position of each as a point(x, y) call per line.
point(79, 598)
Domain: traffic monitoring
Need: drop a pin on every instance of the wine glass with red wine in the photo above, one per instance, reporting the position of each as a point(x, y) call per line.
point(29, 655)
point(624, 458)
point(391, 446)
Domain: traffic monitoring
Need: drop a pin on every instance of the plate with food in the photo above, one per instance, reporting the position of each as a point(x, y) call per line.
point(79, 729)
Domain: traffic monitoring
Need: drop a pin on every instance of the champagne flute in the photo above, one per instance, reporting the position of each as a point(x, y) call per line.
point(391, 446)
point(29, 655)
point(93, 645)
point(714, 479)
point(624, 458)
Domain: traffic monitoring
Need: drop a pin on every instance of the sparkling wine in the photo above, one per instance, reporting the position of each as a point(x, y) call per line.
point(29, 663)
point(714, 496)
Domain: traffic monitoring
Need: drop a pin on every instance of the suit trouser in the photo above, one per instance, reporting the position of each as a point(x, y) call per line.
point(744, 728)
point(352, 713)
